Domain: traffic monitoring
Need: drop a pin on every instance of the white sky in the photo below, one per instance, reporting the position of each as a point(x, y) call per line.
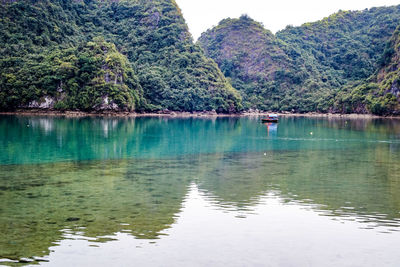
point(201, 15)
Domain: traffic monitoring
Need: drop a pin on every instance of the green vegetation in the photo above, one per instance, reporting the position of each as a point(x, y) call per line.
point(249, 55)
point(122, 55)
point(380, 93)
point(138, 55)
point(313, 67)
point(95, 75)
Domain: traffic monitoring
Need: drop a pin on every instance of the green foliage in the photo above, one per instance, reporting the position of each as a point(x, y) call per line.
point(306, 68)
point(382, 97)
point(76, 78)
point(139, 55)
point(151, 41)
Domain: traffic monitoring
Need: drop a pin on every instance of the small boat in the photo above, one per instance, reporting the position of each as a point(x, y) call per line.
point(270, 118)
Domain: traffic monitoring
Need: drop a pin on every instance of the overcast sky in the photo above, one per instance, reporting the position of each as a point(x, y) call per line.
point(201, 15)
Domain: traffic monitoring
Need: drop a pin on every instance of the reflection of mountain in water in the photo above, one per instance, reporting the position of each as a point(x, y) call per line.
point(142, 197)
point(40, 140)
point(37, 201)
point(235, 165)
point(366, 186)
point(46, 139)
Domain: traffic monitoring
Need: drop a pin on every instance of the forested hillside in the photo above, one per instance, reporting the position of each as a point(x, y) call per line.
point(91, 55)
point(322, 61)
point(138, 55)
point(380, 93)
point(251, 56)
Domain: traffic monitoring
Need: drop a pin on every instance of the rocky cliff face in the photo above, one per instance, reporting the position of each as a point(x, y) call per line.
point(388, 77)
point(389, 73)
point(251, 56)
point(244, 46)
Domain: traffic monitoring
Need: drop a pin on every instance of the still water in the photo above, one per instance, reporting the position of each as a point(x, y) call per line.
point(199, 192)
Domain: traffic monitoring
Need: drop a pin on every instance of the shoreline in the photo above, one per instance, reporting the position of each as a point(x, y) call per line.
point(173, 114)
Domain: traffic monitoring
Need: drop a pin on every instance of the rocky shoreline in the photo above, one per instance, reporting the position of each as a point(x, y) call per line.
point(43, 112)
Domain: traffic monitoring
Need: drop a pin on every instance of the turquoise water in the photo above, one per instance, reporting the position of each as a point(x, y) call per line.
point(197, 191)
point(45, 139)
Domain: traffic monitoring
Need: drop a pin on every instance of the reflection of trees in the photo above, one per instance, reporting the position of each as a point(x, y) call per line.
point(320, 167)
point(368, 126)
point(27, 140)
point(232, 180)
point(365, 185)
point(37, 201)
point(150, 162)
point(59, 139)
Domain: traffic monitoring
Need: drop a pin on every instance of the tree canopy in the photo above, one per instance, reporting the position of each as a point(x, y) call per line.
point(150, 64)
point(313, 67)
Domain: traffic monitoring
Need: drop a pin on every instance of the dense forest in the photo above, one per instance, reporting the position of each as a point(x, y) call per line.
point(138, 55)
point(380, 93)
point(94, 55)
point(325, 66)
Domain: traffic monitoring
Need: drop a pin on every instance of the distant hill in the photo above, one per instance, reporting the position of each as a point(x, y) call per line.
point(119, 55)
point(251, 56)
point(313, 67)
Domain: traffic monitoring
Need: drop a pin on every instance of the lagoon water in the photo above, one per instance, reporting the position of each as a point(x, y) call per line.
point(199, 192)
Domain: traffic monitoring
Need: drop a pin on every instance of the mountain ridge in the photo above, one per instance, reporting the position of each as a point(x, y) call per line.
point(173, 72)
point(344, 63)
point(325, 58)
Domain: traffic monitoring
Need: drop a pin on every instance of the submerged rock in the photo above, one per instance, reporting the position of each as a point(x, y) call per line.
point(72, 219)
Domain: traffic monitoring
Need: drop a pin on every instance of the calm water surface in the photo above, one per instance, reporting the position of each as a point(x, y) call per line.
point(199, 192)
